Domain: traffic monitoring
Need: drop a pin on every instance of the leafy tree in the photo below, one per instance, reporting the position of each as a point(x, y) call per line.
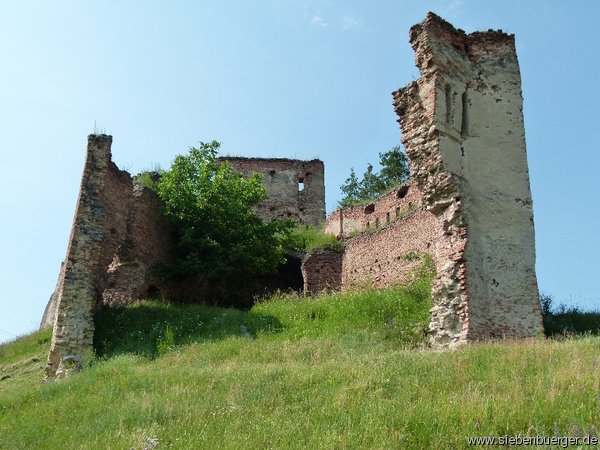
point(220, 237)
point(394, 167)
point(394, 171)
point(371, 184)
point(351, 189)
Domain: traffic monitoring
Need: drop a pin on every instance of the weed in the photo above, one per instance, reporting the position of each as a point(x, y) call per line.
point(166, 342)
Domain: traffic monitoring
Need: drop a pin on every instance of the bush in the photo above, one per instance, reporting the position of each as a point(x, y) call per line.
point(221, 240)
point(306, 239)
point(567, 320)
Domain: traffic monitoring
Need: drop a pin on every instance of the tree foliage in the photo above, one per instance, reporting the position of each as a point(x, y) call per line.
point(394, 171)
point(220, 237)
point(394, 167)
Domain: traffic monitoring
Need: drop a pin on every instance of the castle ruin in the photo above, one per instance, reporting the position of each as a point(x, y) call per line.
point(468, 206)
point(296, 188)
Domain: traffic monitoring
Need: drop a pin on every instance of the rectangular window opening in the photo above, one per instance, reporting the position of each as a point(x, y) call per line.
point(448, 104)
point(464, 127)
point(300, 184)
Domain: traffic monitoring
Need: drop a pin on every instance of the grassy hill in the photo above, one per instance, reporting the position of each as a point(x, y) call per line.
point(339, 371)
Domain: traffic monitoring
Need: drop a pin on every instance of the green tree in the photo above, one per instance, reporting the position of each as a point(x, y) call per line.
point(371, 185)
point(394, 171)
point(351, 189)
point(394, 167)
point(220, 238)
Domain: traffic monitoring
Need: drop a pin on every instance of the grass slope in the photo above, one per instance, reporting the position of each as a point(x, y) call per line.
point(340, 371)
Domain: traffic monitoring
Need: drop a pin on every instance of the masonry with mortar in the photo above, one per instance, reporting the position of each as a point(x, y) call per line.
point(468, 207)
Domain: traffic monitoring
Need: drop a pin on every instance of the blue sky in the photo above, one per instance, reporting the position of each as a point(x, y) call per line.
point(286, 78)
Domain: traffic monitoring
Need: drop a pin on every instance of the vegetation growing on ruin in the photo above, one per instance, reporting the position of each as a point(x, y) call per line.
point(394, 171)
point(336, 371)
point(307, 239)
point(220, 239)
point(149, 177)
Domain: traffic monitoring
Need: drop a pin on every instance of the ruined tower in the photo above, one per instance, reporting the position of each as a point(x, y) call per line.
point(118, 233)
point(462, 126)
point(295, 188)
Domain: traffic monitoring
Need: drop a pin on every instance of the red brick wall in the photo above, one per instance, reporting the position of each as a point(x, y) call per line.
point(390, 207)
point(390, 255)
point(322, 271)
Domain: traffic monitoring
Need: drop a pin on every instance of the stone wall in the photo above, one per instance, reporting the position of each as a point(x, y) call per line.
point(296, 189)
point(117, 235)
point(463, 131)
point(88, 245)
point(322, 271)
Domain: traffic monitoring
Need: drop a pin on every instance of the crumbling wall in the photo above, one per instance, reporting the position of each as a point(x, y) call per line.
point(149, 238)
point(386, 240)
point(352, 220)
point(90, 243)
point(117, 235)
point(322, 271)
point(296, 189)
point(463, 131)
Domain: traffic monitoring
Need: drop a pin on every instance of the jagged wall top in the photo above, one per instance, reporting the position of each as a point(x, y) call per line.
point(439, 46)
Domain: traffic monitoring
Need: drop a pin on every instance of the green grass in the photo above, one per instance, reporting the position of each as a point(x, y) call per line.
point(307, 239)
point(25, 346)
point(397, 316)
point(339, 371)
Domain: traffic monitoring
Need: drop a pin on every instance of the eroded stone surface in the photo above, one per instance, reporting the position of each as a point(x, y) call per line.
point(117, 235)
point(462, 126)
point(296, 188)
